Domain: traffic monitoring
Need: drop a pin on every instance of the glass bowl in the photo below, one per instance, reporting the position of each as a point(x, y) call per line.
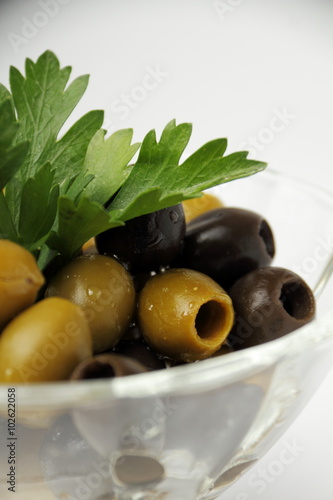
point(188, 432)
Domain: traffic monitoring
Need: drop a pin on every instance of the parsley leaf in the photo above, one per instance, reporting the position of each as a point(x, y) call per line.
point(43, 105)
point(11, 157)
point(56, 189)
point(105, 170)
point(38, 191)
point(51, 166)
point(67, 155)
point(116, 151)
point(4, 94)
point(157, 181)
point(77, 224)
point(7, 228)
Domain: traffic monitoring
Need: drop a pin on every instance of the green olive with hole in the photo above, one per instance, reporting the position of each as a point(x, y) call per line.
point(104, 290)
point(20, 280)
point(184, 314)
point(44, 343)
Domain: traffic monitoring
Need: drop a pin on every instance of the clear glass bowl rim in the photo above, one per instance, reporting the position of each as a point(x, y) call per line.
point(185, 379)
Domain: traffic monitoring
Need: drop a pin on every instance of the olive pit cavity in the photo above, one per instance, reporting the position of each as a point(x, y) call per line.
point(97, 369)
point(209, 319)
point(296, 300)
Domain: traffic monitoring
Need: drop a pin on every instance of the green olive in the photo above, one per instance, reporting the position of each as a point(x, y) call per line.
point(184, 314)
point(198, 206)
point(89, 247)
point(104, 290)
point(44, 343)
point(20, 280)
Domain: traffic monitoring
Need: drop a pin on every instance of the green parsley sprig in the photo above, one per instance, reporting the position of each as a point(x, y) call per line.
point(58, 192)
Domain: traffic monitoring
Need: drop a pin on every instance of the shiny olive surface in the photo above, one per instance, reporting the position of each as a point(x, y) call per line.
point(104, 290)
point(227, 243)
point(184, 314)
point(89, 247)
point(269, 303)
point(20, 280)
point(198, 206)
point(44, 343)
point(147, 242)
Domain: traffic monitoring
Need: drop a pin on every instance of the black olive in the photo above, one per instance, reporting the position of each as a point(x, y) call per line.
point(138, 350)
point(269, 303)
point(227, 243)
point(107, 366)
point(147, 242)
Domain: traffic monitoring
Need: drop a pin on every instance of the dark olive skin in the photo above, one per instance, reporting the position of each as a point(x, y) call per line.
point(107, 366)
point(227, 243)
point(269, 303)
point(147, 242)
point(138, 350)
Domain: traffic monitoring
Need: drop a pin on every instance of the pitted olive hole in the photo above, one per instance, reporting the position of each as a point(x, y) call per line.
point(138, 470)
point(210, 319)
point(97, 369)
point(296, 299)
point(266, 235)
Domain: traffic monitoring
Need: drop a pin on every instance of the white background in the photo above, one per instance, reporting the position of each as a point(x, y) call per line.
point(233, 68)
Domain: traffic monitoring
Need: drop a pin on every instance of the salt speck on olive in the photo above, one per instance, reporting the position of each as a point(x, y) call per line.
point(184, 314)
point(104, 290)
